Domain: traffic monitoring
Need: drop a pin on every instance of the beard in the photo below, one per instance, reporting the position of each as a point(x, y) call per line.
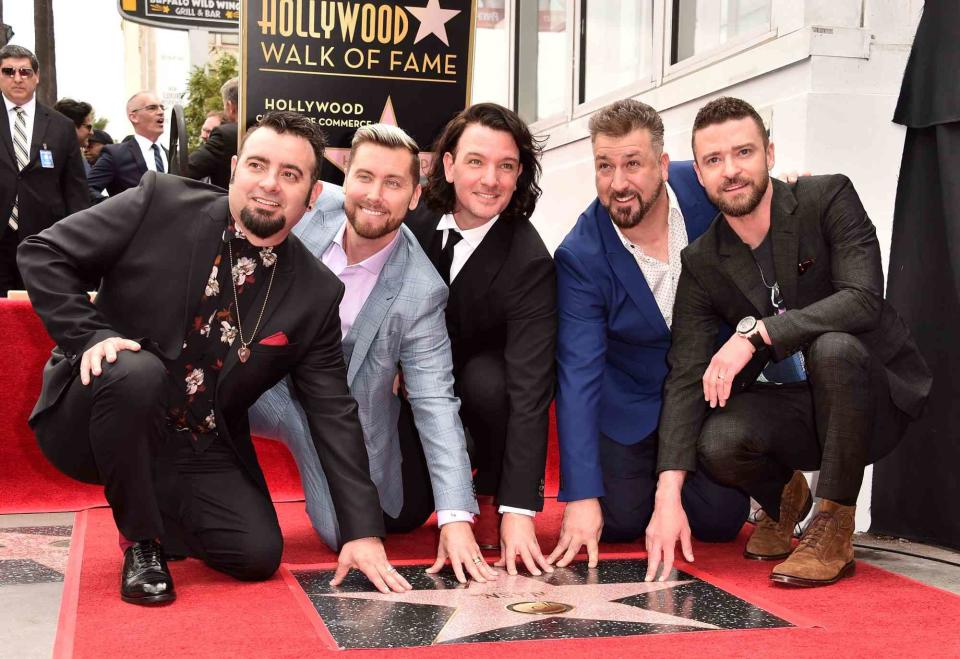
point(744, 203)
point(368, 230)
point(622, 216)
point(260, 224)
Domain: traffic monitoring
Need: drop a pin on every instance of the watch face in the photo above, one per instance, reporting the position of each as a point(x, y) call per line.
point(746, 325)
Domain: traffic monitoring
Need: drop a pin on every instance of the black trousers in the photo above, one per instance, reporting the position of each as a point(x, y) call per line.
point(837, 422)
point(9, 273)
point(113, 432)
point(417, 492)
point(715, 513)
point(484, 409)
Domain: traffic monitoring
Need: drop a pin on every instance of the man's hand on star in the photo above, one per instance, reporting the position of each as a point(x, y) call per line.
point(368, 556)
point(518, 536)
point(724, 367)
point(582, 525)
point(667, 525)
point(458, 545)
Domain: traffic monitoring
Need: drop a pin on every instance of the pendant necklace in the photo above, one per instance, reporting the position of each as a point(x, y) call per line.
point(244, 351)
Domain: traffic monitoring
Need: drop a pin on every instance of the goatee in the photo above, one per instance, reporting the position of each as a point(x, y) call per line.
point(260, 224)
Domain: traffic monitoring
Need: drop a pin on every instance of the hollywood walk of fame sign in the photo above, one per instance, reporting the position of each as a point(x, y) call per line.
point(573, 602)
point(347, 64)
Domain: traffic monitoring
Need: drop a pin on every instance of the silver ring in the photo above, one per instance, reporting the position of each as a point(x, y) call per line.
point(720, 375)
point(390, 569)
point(477, 560)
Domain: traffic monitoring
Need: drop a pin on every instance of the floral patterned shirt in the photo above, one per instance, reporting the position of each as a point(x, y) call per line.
point(212, 331)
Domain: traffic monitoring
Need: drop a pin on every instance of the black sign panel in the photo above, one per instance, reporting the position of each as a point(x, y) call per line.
point(213, 15)
point(349, 64)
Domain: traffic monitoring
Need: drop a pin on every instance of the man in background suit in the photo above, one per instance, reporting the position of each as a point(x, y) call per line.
point(617, 273)
point(501, 316)
point(391, 316)
point(41, 170)
point(821, 374)
point(212, 159)
point(148, 388)
point(121, 166)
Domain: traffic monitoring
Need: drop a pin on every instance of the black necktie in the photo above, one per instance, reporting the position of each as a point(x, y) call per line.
point(446, 254)
point(157, 158)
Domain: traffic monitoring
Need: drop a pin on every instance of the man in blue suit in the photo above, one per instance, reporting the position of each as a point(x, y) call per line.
point(391, 316)
point(617, 274)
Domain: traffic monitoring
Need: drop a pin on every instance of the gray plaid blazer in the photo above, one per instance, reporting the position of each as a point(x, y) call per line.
point(401, 322)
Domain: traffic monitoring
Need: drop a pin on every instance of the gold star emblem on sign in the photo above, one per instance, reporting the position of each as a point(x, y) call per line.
point(433, 20)
point(339, 157)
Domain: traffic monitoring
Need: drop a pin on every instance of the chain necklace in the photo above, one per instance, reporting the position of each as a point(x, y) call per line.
point(244, 351)
point(774, 288)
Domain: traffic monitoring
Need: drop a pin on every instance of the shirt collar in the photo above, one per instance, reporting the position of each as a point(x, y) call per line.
point(373, 263)
point(474, 236)
point(145, 144)
point(674, 215)
point(29, 107)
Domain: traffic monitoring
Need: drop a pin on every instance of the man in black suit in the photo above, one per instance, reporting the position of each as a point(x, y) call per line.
point(821, 373)
point(120, 166)
point(501, 315)
point(212, 159)
point(205, 304)
point(41, 170)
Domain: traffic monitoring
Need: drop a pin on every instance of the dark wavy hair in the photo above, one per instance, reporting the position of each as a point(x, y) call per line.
point(440, 195)
point(76, 111)
point(295, 123)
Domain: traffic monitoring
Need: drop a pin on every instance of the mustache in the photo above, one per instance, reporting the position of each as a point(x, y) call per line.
point(738, 180)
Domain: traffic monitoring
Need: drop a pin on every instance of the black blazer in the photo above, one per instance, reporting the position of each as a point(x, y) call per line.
point(154, 246)
point(119, 167)
point(827, 260)
point(213, 158)
point(505, 298)
point(44, 195)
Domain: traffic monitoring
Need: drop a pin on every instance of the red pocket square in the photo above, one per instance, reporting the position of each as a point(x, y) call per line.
point(278, 339)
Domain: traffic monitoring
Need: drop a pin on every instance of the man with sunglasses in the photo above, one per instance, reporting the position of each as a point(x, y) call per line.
point(121, 166)
point(41, 170)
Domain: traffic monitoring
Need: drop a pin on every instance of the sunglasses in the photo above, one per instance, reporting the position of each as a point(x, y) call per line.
point(11, 71)
point(153, 107)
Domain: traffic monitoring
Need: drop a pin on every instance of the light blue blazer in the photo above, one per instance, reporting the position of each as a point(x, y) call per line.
point(401, 322)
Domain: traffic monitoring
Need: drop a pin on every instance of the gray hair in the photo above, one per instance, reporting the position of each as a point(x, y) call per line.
point(12, 51)
point(622, 117)
point(230, 91)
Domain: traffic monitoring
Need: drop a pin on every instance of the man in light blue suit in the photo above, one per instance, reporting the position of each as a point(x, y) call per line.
point(392, 317)
point(617, 275)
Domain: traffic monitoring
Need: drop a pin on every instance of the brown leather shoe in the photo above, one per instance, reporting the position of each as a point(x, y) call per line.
point(770, 541)
point(486, 527)
point(825, 553)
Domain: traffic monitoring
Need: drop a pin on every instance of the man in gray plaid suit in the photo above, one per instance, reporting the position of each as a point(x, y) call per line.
point(391, 316)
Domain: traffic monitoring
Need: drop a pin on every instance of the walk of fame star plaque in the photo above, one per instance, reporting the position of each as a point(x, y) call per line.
point(573, 602)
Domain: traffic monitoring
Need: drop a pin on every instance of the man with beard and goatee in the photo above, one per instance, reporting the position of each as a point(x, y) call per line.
point(821, 374)
point(617, 275)
point(205, 304)
point(392, 315)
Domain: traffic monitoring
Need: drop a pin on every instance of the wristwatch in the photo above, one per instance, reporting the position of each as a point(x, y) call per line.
point(747, 328)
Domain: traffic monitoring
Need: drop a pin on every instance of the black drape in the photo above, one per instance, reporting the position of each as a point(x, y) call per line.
point(916, 489)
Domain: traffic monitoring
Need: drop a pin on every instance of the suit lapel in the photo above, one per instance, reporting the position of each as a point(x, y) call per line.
point(786, 241)
point(473, 280)
point(40, 122)
point(625, 266)
point(375, 309)
point(5, 135)
point(738, 264)
point(134, 148)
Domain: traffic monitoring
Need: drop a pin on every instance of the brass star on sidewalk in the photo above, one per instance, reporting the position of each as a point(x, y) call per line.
point(433, 20)
point(487, 607)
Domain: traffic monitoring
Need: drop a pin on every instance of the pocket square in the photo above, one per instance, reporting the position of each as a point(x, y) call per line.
point(278, 339)
point(805, 265)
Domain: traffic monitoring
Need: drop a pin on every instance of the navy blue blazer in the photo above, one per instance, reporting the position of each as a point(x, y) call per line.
point(119, 167)
point(612, 340)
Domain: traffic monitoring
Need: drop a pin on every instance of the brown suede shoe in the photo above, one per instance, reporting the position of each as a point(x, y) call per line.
point(770, 541)
point(825, 553)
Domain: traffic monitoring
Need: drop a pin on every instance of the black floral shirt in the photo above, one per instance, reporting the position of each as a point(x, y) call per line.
point(213, 330)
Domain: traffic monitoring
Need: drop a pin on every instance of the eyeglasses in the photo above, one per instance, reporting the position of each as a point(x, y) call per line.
point(153, 107)
point(10, 71)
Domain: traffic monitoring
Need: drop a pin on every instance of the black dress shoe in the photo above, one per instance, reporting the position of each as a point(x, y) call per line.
point(146, 579)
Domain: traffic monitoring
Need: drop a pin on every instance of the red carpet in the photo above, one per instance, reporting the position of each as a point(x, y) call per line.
point(874, 614)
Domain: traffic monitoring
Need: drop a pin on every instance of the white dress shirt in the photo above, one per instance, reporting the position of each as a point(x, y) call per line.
point(146, 148)
point(471, 239)
point(30, 111)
